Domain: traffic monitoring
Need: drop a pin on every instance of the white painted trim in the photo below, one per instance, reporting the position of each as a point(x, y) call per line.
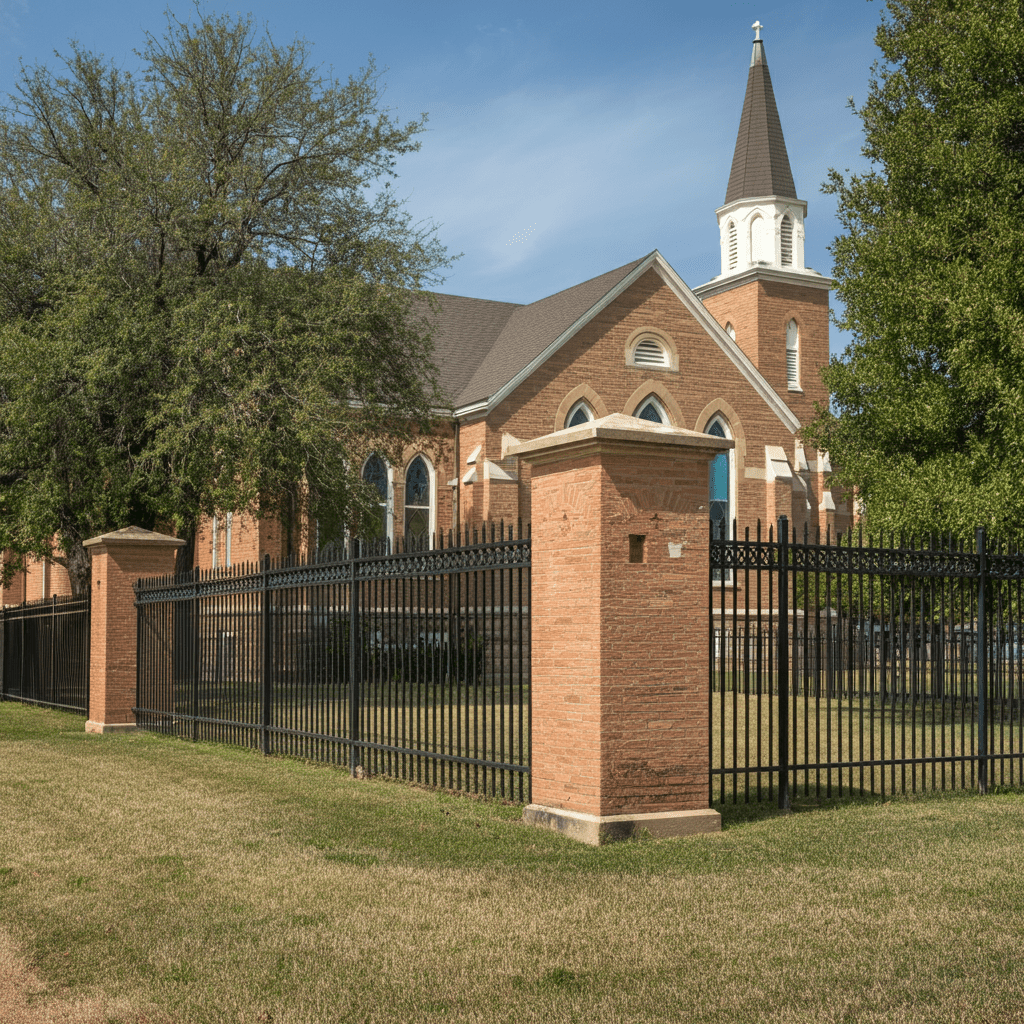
point(609, 297)
point(737, 356)
point(700, 313)
point(474, 455)
point(719, 284)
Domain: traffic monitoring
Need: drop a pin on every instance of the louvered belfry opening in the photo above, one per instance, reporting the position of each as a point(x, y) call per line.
point(787, 240)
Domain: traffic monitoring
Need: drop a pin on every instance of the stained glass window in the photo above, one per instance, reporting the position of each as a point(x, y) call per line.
point(651, 410)
point(417, 503)
point(578, 415)
point(375, 472)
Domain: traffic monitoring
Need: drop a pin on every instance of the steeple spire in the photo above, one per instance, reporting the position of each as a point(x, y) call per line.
point(760, 164)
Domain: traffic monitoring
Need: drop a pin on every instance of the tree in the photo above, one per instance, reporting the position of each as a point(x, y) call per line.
point(928, 400)
point(207, 289)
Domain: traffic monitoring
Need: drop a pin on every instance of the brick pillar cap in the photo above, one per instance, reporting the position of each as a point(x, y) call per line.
point(135, 535)
point(615, 432)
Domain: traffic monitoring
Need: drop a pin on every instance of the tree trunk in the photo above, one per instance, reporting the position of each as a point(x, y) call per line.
point(79, 567)
point(185, 556)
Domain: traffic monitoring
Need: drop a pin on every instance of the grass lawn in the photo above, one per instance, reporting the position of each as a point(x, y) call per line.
point(745, 732)
point(147, 880)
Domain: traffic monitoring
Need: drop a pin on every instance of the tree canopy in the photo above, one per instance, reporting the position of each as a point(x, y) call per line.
point(928, 400)
point(207, 288)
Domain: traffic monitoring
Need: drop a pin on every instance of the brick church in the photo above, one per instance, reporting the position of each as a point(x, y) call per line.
point(738, 357)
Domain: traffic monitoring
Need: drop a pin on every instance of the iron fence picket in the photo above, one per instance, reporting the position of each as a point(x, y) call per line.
point(891, 667)
point(44, 653)
point(412, 662)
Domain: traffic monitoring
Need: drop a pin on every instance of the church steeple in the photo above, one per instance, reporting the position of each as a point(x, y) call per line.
point(771, 305)
point(761, 223)
point(760, 164)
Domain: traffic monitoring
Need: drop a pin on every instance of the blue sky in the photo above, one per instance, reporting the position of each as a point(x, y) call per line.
point(564, 139)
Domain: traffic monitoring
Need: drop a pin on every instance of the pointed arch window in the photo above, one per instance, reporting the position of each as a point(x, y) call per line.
point(579, 414)
point(734, 255)
point(718, 484)
point(652, 410)
point(787, 241)
point(417, 504)
point(375, 473)
point(731, 331)
point(793, 355)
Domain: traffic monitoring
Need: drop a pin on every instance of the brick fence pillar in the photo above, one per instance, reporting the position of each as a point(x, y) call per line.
point(118, 560)
point(619, 627)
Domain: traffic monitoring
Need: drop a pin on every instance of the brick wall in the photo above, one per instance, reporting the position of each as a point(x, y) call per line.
point(619, 647)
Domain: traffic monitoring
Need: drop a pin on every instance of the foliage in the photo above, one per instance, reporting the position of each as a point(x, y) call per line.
point(206, 290)
point(927, 399)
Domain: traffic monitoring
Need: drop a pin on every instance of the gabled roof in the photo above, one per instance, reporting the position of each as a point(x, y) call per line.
point(479, 345)
point(484, 350)
point(760, 164)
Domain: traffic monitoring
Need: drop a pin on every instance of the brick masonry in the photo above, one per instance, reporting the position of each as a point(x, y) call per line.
point(619, 646)
point(118, 560)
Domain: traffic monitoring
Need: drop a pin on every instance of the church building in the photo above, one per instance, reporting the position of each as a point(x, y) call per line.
point(739, 356)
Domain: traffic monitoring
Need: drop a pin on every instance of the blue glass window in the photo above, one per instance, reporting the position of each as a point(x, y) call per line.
point(578, 415)
point(718, 486)
point(651, 411)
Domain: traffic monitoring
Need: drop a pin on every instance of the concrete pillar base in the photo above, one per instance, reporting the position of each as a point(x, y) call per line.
point(100, 727)
point(596, 830)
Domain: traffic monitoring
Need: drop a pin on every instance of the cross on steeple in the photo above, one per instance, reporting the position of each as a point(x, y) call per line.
point(757, 26)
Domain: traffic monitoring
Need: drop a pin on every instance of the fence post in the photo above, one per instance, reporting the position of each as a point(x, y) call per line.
point(51, 676)
point(619, 597)
point(354, 660)
point(981, 647)
point(783, 667)
point(118, 560)
point(193, 653)
point(268, 658)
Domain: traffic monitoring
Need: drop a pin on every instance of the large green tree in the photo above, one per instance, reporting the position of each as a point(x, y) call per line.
point(206, 290)
point(928, 399)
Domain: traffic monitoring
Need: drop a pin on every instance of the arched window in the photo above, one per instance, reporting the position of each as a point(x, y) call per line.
point(718, 485)
point(734, 255)
point(375, 473)
point(731, 331)
point(579, 414)
point(651, 409)
point(787, 240)
point(793, 355)
point(417, 504)
point(758, 246)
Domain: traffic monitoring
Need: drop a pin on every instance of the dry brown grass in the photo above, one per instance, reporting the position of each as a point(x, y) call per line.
point(147, 876)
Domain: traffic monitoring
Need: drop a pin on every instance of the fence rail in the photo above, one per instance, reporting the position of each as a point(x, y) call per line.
point(413, 664)
point(45, 653)
point(844, 667)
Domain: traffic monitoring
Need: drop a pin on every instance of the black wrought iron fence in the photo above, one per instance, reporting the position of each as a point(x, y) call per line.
point(414, 664)
point(849, 666)
point(45, 653)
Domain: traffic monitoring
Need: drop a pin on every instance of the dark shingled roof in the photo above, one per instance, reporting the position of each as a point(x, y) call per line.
point(479, 345)
point(464, 331)
point(760, 165)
